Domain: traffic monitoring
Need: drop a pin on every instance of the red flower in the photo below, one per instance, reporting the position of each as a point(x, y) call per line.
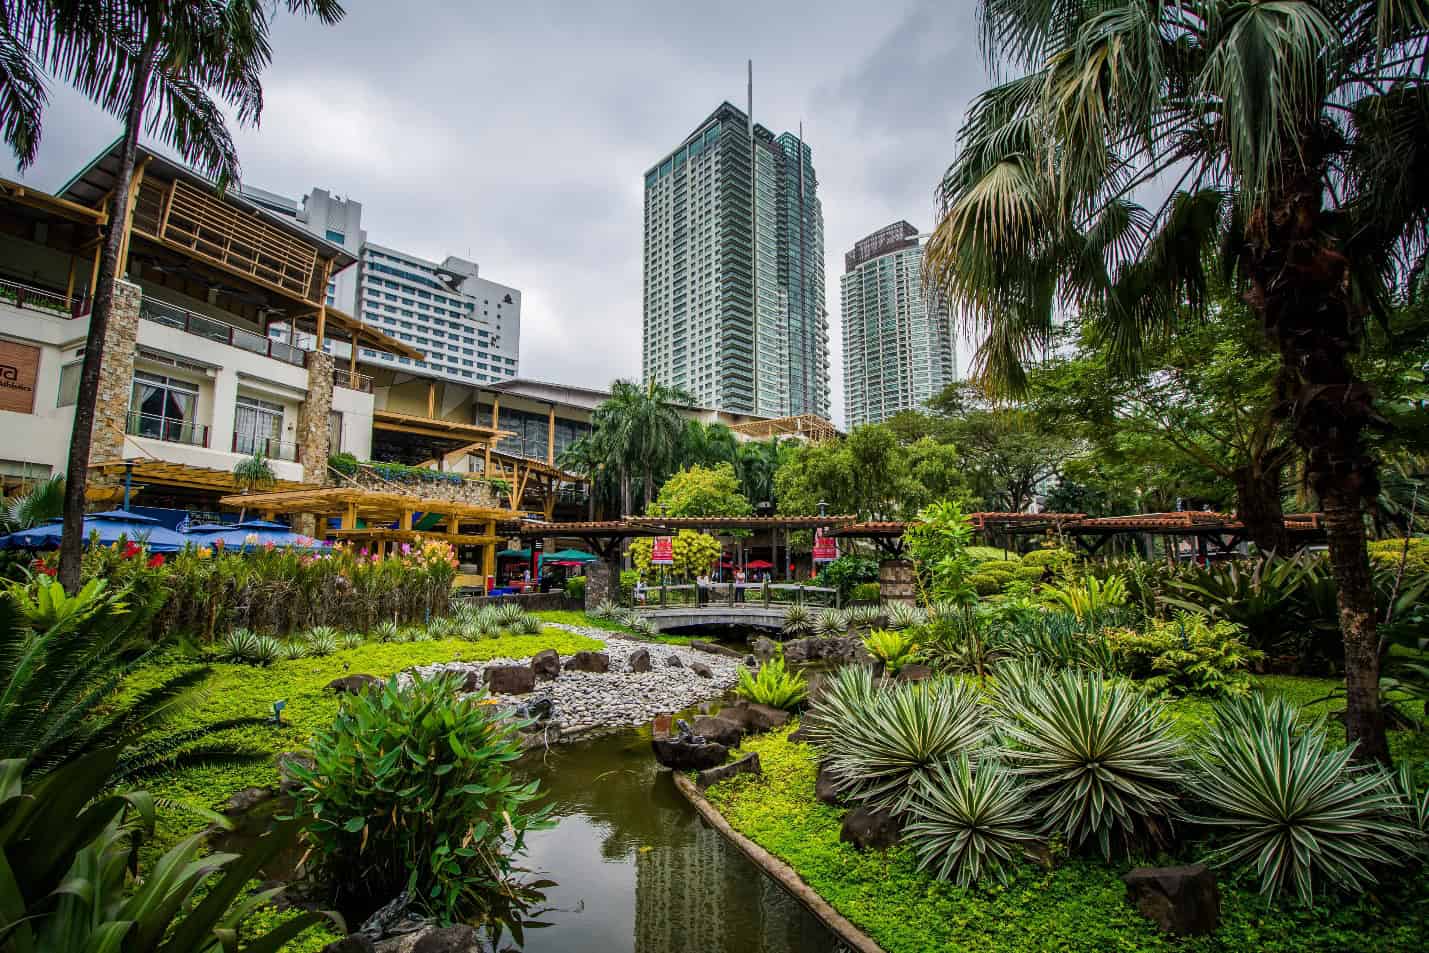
point(132, 549)
point(155, 561)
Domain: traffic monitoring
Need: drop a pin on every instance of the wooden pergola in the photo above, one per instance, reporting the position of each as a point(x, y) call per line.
point(886, 535)
point(115, 473)
point(1207, 528)
point(811, 427)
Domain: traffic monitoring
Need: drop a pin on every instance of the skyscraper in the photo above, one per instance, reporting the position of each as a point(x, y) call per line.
point(734, 270)
point(899, 341)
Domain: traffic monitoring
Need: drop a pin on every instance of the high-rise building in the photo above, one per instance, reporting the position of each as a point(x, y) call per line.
point(734, 270)
point(899, 339)
point(468, 327)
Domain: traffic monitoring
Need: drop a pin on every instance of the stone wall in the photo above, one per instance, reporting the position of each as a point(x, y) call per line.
point(313, 420)
point(473, 492)
point(601, 583)
point(895, 581)
point(116, 375)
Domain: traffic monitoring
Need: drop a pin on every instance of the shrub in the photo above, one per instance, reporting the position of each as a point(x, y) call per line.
point(1056, 559)
point(1386, 554)
point(966, 823)
point(985, 585)
point(831, 623)
point(1088, 596)
point(902, 616)
point(411, 788)
point(1266, 598)
point(352, 640)
point(1296, 809)
point(865, 592)
point(1100, 760)
point(894, 649)
point(774, 685)
point(798, 620)
point(321, 641)
point(344, 463)
point(1185, 655)
point(847, 573)
point(240, 645)
point(879, 742)
point(575, 588)
point(1060, 640)
point(998, 567)
point(961, 643)
point(1032, 574)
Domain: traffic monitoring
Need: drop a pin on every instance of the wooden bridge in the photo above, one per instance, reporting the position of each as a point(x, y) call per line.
point(747, 604)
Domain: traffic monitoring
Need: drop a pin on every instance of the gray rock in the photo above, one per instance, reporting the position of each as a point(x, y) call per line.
point(510, 679)
point(701, 669)
point(288, 784)
point(674, 661)
point(640, 661)
point(598, 662)
point(765, 648)
point(713, 649)
point(840, 650)
point(356, 943)
point(915, 673)
point(353, 684)
point(749, 764)
point(824, 788)
point(546, 664)
point(1185, 900)
point(684, 755)
point(246, 800)
point(869, 829)
point(756, 717)
point(723, 730)
point(433, 939)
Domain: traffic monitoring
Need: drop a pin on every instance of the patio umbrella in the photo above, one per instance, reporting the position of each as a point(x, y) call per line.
point(759, 564)
point(514, 554)
point(251, 535)
point(571, 556)
point(569, 563)
point(110, 526)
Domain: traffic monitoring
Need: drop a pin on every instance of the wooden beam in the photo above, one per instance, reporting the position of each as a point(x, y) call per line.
point(128, 225)
point(551, 436)
point(432, 398)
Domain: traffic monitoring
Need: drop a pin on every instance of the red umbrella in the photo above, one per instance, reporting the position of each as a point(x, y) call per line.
point(759, 564)
point(726, 565)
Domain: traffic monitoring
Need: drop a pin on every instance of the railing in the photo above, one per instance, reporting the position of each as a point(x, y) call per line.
point(43, 299)
point(749, 594)
point(167, 429)
point(161, 312)
point(352, 380)
point(271, 447)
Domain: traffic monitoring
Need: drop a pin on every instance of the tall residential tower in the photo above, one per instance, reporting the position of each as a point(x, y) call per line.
point(899, 342)
point(734, 270)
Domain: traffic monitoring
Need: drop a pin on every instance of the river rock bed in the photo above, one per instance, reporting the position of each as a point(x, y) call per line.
point(585, 702)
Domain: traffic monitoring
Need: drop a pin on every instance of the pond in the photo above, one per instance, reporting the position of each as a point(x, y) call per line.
point(638, 870)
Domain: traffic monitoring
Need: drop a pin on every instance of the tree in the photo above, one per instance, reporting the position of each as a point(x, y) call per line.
point(253, 474)
point(43, 502)
point(757, 462)
point(154, 64)
point(587, 457)
point(1293, 137)
point(702, 491)
point(640, 427)
point(705, 445)
point(694, 553)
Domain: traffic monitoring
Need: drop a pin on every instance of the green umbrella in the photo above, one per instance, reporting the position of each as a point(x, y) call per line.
point(571, 556)
point(514, 554)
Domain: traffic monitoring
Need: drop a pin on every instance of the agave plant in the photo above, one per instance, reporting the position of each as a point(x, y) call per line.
point(831, 623)
point(966, 823)
point(893, 649)
point(352, 640)
point(440, 627)
point(292, 649)
point(529, 624)
point(1301, 812)
point(844, 693)
point(267, 649)
point(604, 610)
point(963, 643)
point(487, 622)
point(903, 616)
point(240, 645)
point(386, 632)
point(321, 640)
point(1061, 640)
point(865, 617)
point(1100, 759)
point(885, 740)
point(775, 685)
point(798, 620)
point(508, 615)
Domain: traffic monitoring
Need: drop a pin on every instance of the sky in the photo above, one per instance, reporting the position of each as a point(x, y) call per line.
point(517, 135)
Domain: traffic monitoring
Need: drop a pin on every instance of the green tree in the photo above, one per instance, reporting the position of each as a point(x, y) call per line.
point(757, 461)
point(1293, 136)
point(639, 427)
point(702, 491)
point(869, 474)
point(705, 445)
point(155, 65)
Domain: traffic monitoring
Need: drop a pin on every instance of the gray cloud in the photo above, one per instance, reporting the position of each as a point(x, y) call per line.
point(518, 135)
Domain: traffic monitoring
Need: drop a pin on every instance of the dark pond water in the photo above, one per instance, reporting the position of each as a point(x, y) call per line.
point(640, 871)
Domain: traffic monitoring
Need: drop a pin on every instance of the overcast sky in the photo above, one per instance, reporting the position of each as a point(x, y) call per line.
point(517, 135)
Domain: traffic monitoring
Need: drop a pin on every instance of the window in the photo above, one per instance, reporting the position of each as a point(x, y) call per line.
point(257, 426)
point(335, 236)
point(164, 408)
point(69, 384)
point(334, 432)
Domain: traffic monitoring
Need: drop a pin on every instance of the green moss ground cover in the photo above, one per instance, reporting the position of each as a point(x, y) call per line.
point(1078, 906)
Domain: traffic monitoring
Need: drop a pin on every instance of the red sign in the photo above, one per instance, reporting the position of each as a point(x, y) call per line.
point(663, 552)
point(826, 548)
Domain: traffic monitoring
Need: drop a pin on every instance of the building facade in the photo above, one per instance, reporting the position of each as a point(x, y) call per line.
point(899, 340)
point(733, 271)
point(468, 326)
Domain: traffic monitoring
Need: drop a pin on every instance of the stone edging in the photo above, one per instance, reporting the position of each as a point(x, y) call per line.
point(841, 926)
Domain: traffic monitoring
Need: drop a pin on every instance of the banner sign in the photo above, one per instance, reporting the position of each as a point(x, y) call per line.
point(826, 548)
point(663, 551)
point(19, 363)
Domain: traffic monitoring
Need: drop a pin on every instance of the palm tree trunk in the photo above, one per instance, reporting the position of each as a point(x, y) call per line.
point(77, 469)
point(1299, 285)
point(1258, 507)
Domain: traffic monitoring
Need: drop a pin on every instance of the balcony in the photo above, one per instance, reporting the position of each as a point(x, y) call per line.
point(352, 380)
point(28, 297)
point(167, 429)
point(271, 447)
point(203, 326)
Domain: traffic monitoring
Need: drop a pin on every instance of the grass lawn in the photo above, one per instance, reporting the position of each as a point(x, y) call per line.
point(1078, 906)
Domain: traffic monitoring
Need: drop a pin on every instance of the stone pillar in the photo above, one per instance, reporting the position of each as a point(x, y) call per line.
point(895, 581)
point(314, 417)
point(601, 582)
point(116, 375)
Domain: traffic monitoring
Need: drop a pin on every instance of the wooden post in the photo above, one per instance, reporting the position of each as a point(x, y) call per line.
point(322, 328)
point(495, 421)
point(128, 225)
point(352, 365)
point(405, 520)
point(551, 437)
point(349, 517)
point(94, 271)
point(432, 398)
point(69, 284)
point(488, 555)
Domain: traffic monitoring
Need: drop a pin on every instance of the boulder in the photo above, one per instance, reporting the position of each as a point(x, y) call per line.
point(756, 717)
point(765, 648)
point(640, 660)
point(246, 800)
point(433, 939)
point(510, 679)
point(915, 673)
point(714, 649)
point(701, 669)
point(749, 764)
point(841, 650)
point(674, 661)
point(723, 730)
point(473, 681)
point(356, 943)
point(353, 684)
point(546, 664)
point(1182, 900)
point(824, 788)
point(661, 726)
point(869, 829)
point(683, 754)
point(597, 662)
point(287, 783)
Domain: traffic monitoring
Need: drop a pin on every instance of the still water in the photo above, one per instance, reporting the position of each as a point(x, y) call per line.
point(638, 870)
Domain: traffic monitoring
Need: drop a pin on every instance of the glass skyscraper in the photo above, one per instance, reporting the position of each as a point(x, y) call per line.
point(734, 271)
point(899, 341)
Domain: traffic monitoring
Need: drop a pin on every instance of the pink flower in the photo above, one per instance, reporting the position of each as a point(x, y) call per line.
point(406, 548)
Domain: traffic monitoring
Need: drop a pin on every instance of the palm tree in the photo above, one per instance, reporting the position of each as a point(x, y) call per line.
point(155, 64)
point(706, 445)
point(1291, 136)
point(756, 465)
point(587, 457)
point(43, 502)
point(253, 474)
point(640, 426)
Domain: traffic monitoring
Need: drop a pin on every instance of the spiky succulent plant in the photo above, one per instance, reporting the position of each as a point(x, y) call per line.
point(968, 822)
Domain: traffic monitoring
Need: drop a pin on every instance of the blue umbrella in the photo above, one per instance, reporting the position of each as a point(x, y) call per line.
point(252, 534)
point(110, 527)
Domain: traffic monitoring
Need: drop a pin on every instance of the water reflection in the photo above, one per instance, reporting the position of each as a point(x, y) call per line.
point(639, 871)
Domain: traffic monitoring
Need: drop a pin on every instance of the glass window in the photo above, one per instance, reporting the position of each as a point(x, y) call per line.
point(69, 384)
point(335, 236)
point(257, 426)
point(164, 408)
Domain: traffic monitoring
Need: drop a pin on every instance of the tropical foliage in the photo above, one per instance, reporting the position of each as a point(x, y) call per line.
point(773, 685)
point(967, 823)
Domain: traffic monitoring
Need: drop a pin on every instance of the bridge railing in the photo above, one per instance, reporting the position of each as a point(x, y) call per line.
point(752, 594)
